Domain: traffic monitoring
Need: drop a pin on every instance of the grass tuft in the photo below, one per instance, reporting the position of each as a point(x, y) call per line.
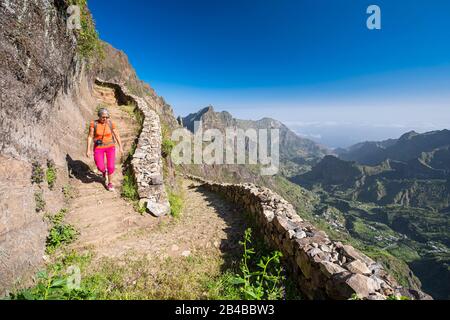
point(176, 204)
point(51, 174)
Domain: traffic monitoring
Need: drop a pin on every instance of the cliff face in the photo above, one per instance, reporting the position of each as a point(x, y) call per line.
point(45, 103)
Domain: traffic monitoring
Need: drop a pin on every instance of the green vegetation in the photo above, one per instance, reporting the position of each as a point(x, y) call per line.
point(39, 201)
point(59, 282)
point(60, 233)
point(167, 143)
point(129, 185)
point(176, 204)
point(37, 173)
point(88, 42)
point(166, 147)
point(392, 297)
point(51, 174)
point(207, 275)
point(130, 189)
point(355, 297)
point(259, 276)
point(264, 283)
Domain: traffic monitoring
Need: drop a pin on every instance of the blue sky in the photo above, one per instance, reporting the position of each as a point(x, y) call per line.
point(312, 64)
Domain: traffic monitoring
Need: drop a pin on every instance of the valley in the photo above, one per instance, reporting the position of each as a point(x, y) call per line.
point(393, 206)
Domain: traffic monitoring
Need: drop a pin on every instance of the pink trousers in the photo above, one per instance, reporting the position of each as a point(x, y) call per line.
point(99, 158)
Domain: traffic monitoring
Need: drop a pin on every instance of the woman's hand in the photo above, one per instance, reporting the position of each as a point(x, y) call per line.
point(121, 150)
point(88, 153)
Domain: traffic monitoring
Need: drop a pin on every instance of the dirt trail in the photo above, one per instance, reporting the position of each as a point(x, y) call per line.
point(110, 227)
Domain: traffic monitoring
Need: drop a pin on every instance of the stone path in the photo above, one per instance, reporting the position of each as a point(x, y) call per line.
point(110, 227)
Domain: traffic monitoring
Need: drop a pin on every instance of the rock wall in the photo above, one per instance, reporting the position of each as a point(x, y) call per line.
point(324, 269)
point(147, 159)
point(45, 104)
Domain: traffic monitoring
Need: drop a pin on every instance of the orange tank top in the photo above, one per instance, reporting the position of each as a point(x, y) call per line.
point(103, 131)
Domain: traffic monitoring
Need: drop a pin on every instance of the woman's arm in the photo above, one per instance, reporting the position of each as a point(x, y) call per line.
point(89, 142)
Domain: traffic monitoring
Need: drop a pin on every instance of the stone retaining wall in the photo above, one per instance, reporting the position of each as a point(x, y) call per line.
point(147, 160)
point(324, 269)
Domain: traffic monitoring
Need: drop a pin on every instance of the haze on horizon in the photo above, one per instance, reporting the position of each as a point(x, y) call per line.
point(311, 64)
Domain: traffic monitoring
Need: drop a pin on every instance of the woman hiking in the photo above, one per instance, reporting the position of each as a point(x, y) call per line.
point(104, 135)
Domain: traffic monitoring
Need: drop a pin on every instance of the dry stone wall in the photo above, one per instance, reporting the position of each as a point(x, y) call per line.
point(324, 269)
point(147, 160)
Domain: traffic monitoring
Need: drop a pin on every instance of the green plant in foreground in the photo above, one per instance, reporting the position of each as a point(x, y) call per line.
point(51, 174)
point(58, 282)
point(129, 186)
point(60, 233)
point(265, 283)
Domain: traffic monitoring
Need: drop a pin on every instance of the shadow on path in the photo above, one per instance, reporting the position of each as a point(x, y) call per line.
point(81, 171)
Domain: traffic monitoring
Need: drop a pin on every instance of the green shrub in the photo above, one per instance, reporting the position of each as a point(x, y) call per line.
point(60, 233)
point(166, 147)
point(176, 204)
point(51, 174)
point(129, 186)
point(263, 283)
point(56, 283)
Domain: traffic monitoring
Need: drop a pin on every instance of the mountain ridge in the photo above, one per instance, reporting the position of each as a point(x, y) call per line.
point(295, 150)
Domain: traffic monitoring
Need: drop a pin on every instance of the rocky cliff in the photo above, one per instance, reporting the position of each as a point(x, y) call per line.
point(46, 85)
point(45, 102)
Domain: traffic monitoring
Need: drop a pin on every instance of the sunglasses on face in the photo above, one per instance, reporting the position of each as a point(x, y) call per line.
point(104, 117)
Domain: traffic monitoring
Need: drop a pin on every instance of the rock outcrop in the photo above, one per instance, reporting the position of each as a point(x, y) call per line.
point(45, 103)
point(324, 269)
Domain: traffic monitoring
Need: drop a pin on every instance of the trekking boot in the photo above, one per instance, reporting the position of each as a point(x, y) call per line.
point(110, 187)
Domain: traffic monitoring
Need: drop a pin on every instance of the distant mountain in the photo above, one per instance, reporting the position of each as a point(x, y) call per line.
point(293, 149)
point(395, 195)
point(431, 147)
